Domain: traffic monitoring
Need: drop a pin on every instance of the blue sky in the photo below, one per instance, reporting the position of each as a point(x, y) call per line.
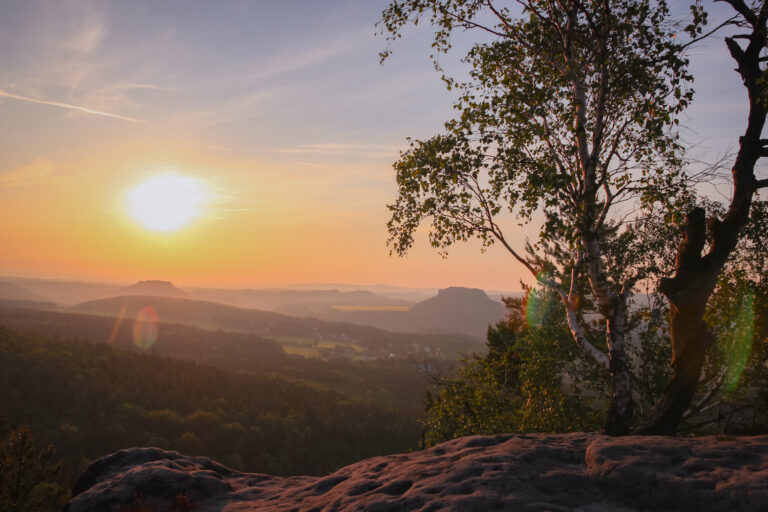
point(282, 106)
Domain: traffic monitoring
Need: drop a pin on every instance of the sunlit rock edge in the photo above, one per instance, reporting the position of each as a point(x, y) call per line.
point(542, 472)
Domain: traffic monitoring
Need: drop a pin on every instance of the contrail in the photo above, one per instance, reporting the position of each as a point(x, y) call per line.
point(68, 106)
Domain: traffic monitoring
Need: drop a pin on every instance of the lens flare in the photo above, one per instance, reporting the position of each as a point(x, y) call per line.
point(145, 328)
point(740, 334)
point(536, 306)
point(118, 322)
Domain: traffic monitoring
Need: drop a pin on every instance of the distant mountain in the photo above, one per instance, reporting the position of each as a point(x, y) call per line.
point(461, 310)
point(15, 292)
point(213, 316)
point(457, 306)
point(210, 315)
point(153, 288)
point(228, 349)
point(294, 302)
point(65, 292)
point(383, 290)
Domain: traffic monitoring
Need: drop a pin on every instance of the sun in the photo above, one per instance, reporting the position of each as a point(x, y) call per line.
point(168, 202)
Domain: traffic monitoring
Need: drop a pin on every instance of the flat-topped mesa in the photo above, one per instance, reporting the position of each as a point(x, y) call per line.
point(460, 299)
point(154, 288)
point(556, 472)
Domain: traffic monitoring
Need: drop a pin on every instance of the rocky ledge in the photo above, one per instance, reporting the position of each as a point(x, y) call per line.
point(543, 472)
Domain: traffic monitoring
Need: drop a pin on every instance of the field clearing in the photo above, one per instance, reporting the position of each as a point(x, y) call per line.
point(304, 351)
point(334, 344)
point(372, 308)
point(293, 340)
point(304, 346)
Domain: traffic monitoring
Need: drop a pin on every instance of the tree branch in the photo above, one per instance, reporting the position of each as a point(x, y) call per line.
point(696, 408)
point(729, 21)
point(501, 18)
point(581, 339)
point(742, 8)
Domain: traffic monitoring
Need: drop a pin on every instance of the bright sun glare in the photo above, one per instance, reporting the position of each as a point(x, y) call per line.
point(167, 203)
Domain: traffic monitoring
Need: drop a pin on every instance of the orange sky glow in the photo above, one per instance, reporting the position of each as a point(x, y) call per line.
point(292, 127)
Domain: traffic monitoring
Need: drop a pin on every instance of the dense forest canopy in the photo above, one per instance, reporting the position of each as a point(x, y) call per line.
point(91, 399)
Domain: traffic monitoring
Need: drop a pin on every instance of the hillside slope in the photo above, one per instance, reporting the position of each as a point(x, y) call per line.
point(385, 380)
point(294, 302)
point(15, 292)
point(211, 315)
point(464, 310)
point(65, 292)
point(90, 399)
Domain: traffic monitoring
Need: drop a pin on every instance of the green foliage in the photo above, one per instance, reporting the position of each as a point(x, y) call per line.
point(387, 381)
point(570, 109)
point(734, 392)
point(478, 401)
point(531, 380)
point(28, 480)
point(532, 108)
point(92, 399)
point(649, 351)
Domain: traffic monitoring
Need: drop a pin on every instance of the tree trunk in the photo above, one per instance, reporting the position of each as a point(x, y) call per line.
point(695, 274)
point(613, 308)
point(619, 417)
point(691, 340)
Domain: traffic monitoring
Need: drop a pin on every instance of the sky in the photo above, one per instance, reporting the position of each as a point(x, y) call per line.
point(281, 108)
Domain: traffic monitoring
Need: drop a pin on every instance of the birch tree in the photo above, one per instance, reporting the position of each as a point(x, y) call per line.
point(569, 112)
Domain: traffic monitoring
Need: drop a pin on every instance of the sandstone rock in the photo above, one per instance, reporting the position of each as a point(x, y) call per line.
point(542, 472)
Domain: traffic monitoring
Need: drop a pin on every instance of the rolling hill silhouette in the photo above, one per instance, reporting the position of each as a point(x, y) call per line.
point(214, 316)
point(153, 288)
point(463, 310)
point(295, 302)
point(65, 292)
point(15, 292)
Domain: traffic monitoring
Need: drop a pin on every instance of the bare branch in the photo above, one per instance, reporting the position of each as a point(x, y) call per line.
point(729, 21)
point(696, 408)
point(741, 7)
point(575, 271)
point(581, 339)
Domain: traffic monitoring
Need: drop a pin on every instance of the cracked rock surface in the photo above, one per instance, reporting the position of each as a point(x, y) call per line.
point(538, 472)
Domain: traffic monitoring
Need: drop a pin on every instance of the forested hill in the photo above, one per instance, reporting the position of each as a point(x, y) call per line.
point(175, 340)
point(462, 310)
point(387, 380)
point(211, 315)
point(12, 291)
point(91, 399)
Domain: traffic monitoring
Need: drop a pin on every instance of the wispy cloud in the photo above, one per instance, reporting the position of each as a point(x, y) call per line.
point(37, 171)
point(230, 110)
point(68, 106)
point(87, 38)
point(150, 87)
point(372, 150)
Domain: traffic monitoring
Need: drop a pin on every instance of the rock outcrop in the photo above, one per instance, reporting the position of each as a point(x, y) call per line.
point(543, 472)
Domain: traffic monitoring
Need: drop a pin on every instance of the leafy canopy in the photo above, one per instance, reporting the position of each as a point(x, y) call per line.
point(569, 109)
